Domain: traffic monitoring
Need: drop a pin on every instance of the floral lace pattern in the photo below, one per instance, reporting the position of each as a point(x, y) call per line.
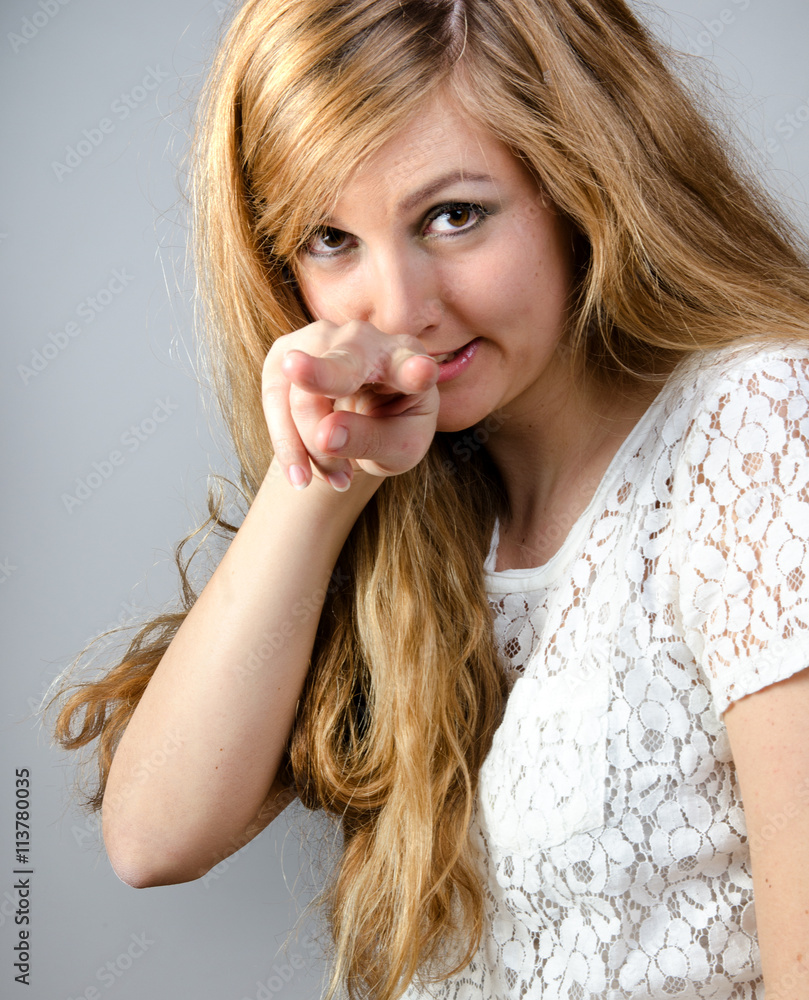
point(609, 819)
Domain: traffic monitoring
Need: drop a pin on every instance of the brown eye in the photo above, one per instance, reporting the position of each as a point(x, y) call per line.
point(328, 242)
point(453, 218)
point(332, 238)
point(459, 216)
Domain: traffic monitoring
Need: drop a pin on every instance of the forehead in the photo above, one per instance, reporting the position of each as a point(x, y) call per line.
point(438, 145)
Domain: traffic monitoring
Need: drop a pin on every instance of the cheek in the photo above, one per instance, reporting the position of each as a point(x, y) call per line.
point(333, 298)
point(503, 285)
point(311, 295)
point(479, 289)
point(541, 275)
point(545, 237)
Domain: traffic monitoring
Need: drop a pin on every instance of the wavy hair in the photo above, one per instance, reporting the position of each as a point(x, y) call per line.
point(677, 250)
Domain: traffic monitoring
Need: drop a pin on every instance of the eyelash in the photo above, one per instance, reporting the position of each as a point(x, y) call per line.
point(452, 206)
point(436, 213)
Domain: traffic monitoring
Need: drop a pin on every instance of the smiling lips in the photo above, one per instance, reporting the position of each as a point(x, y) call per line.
point(449, 355)
point(454, 362)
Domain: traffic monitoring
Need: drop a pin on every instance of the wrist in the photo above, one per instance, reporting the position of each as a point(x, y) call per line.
point(320, 491)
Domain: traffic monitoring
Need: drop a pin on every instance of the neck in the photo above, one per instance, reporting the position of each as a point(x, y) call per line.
point(552, 454)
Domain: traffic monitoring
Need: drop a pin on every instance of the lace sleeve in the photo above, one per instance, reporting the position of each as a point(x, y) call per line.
point(741, 526)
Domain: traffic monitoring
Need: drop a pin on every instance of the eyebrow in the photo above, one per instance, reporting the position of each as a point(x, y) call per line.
point(413, 200)
point(428, 190)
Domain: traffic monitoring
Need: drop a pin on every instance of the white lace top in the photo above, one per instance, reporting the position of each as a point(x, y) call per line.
point(609, 818)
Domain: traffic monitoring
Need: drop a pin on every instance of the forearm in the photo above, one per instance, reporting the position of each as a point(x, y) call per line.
point(204, 744)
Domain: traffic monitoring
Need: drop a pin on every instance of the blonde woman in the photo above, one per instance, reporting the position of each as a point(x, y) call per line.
point(515, 362)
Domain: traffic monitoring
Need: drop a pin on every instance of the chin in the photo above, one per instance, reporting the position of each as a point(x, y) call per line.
point(453, 426)
point(454, 418)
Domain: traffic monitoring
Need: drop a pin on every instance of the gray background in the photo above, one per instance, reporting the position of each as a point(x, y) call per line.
point(68, 574)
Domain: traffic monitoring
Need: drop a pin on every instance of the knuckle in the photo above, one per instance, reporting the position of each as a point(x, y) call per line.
point(377, 365)
point(277, 351)
point(273, 392)
point(374, 441)
point(286, 449)
point(357, 327)
point(341, 354)
point(322, 326)
point(409, 343)
point(320, 337)
point(303, 404)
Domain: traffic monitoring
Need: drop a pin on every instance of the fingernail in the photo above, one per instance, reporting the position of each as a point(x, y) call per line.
point(297, 477)
point(340, 481)
point(337, 438)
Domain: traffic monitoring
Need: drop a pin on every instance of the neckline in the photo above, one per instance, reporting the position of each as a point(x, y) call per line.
point(535, 577)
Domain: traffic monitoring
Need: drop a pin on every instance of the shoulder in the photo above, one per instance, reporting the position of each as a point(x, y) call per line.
point(752, 396)
point(740, 519)
point(766, 367)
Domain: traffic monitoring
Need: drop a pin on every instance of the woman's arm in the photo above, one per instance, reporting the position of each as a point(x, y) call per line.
point(195, 774)
point(190, 779)
point(768, 737)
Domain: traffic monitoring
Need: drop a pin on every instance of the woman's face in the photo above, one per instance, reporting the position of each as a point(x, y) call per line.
point(445, 236)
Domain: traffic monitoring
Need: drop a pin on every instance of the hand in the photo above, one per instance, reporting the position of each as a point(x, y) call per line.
point(380, 389)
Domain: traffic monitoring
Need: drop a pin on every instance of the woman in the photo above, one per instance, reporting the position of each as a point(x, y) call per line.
point(515, 365)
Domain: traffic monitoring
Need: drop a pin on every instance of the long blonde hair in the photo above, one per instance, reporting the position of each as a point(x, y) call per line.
point(676, 251)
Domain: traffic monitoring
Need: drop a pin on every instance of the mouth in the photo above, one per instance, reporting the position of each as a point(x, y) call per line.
point(452, 363)
point(449, 356)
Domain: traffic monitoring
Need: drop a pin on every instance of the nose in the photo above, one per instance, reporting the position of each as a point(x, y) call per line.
point(401, 292)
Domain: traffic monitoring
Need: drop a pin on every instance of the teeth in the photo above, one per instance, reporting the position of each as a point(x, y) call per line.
point(444, 357)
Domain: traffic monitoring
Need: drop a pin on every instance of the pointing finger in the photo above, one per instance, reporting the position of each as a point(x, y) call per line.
point(342, 372)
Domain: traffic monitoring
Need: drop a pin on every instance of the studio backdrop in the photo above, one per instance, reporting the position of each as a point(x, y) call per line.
point(110, 436)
